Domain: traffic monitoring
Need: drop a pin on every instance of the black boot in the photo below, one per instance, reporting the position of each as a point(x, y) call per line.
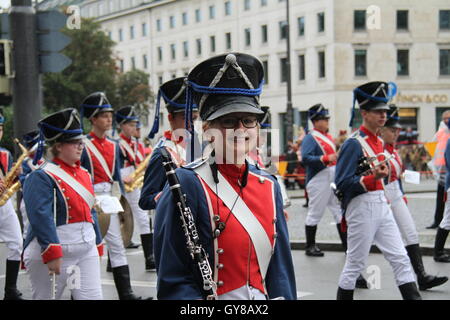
point(122, 280)
point(439, 253)
point(12, 272)
point(343, 294)
point(108, 264)
point(343, 236)
point(440, 206)
point(424, 280)
point(361, 283)
point(312, 249)
point(147, 246)
point(409, 291)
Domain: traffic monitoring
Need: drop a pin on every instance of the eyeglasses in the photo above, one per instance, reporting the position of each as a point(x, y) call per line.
point(232, 122)
point(78, 143)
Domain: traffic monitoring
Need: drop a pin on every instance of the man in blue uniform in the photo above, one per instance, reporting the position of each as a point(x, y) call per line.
point(368, 216)
point(174, 94)
point(237, 208)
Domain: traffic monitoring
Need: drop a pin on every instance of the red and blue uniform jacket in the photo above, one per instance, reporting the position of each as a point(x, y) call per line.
point(128, 159)
point(38, 194)
point(347, 182)
point(5, 160)
point(393, 164)
point(110, 150)
point(231, 255)
point(315, 153)
point(154, 177)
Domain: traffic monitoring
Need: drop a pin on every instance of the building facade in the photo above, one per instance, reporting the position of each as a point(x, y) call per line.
point(336, 45)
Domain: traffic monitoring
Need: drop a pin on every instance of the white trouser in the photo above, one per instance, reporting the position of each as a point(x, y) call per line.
point(445, 223)
point(25, 221)
point(113, 237)
point(80, 272)
point(321, 196)
point(141, 217)
point(10, 232)
point(402, 214)
point(370, 220)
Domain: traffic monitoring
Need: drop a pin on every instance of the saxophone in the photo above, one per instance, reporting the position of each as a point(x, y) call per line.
point(12, 187)
point(137, 177)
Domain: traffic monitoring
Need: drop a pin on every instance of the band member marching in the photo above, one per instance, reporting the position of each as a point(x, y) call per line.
point(10, 231)
point(132, 156)
point(174, 95)
point(101, 158)
point(30, 141)
point(397, 200)
point(236, 208)
point(367, 213)
point(64, 237)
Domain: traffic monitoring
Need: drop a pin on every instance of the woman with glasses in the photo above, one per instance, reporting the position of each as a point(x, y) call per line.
point(63, 243)
point(237, 208)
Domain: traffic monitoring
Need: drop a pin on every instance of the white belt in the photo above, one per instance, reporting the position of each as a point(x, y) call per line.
point(102, 187)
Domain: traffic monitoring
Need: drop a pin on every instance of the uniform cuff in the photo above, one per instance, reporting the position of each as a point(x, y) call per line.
point(100, 249)
point(369, 183)
point(53, 251)
point(324, 159)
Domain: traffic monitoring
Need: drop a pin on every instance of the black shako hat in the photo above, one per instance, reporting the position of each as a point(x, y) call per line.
point(94, 104)
point(173, 93)
point(30, 139)
point(226, 84)
point(126, 114)
point(61, 126)
point(393, 118)
point(318, 112)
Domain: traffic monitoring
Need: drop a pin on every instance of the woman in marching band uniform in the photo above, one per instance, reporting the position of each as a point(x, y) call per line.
point(63, 237)
point(397, 199)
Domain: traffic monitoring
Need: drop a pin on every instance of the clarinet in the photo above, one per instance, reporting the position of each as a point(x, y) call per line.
point(195, 249)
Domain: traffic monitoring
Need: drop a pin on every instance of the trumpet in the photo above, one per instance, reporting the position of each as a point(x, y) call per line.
point(366, 164)
point(137, 177)
point(12, 187)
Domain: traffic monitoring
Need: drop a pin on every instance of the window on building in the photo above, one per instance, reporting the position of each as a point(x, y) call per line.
point(301, 26)
point(321, 22)
point(408, 118)
point(122, 66)
point(301, 67)
point(444, 19)
point(133, 63)
point(246, 5)
point(264, 36)
point(158, 25)
point(212, 43)
point(283, 70)
point(265, 64)
point(444, 62)
point(228, 8)
point(359, 20)
point(212, 12)
point(173, 51)
point(131, 32)
point(160, 82)
point(144, 29)
point(248, 39)
point(438, 112)
point(198, 43)
point(172, 22)
point(321, 58)
point(110, 35)
point(402, 19)
point(184, 18)
point(145, 61)
point(185, 49)
point(160, 53)
point(120, 35)
point(283, 29)
point(228, 40)
point(402, 62)
point(198, 15)
point(263, 3)
point(360, 62)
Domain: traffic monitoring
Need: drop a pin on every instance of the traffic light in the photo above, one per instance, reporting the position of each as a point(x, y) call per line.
point(51, 41)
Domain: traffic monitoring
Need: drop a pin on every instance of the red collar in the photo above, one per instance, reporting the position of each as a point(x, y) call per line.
point(368, 133)
point(93, 135)
point(322, 132)
point(231, 170)
point(128, 140)
point(390, 147)
point(168, 135)
point(66, 166)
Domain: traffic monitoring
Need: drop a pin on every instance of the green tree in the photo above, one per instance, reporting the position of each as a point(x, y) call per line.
point(133, 89)
point(93, 69)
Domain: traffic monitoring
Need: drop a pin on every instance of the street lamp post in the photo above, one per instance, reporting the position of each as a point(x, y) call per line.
point(289, 110)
